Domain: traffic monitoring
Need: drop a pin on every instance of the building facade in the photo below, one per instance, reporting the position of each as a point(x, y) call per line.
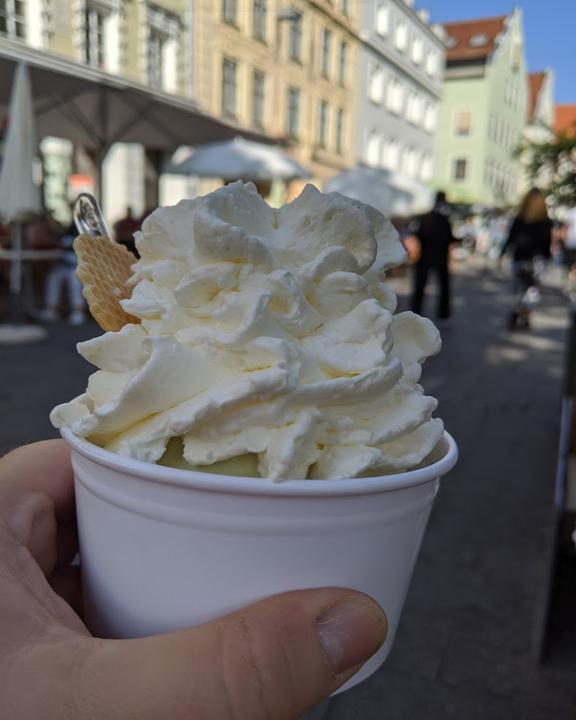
point(484, 111)
point(401, 68)
point(146, 42)
point(287, 69)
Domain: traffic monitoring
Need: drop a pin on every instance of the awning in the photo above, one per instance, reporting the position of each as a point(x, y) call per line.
point(95, 109)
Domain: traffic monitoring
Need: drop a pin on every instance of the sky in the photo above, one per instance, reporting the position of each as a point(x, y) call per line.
point(549, 32)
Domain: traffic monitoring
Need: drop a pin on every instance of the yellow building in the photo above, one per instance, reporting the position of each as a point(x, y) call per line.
point(147, 42)
point(287, 69)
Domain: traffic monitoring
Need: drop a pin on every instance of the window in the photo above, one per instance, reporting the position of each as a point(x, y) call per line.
point(339, 131)
point(94, 36)
point(155, 59)
point(383, 19)
point(295, 37)
point(417, 51)
point(325, 59)
point(401, 35)
point(478, 41)
point(259, 11)
point(229, 83)
point(460, 169)
point(345, 7)
point(414, 108)
point(395, 96)
point(376, 84)
point(162, 46)
point(409, 106)
point(342, 62)
point(410, 162)
point(391, 155)
point(488, 171)
point(372, 154)
point(229, 11)
point(12, 18)
point(418, 109)
point(463, 123)
point(501, 132)
point(514, 139)
point(430, 118)
point(293, 112)
point(426, 169)
point(491, 126)
point(258, 88)
point(322, 123)
point(432, 63)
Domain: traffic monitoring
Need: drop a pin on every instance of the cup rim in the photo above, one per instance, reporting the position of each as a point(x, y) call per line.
point(261, 486)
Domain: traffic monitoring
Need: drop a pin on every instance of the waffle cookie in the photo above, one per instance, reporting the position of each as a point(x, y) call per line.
point(104, 268)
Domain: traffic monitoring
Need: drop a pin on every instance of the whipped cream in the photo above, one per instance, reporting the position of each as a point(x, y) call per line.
point(264, 331)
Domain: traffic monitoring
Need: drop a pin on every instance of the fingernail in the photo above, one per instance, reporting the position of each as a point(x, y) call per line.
point(351, 631)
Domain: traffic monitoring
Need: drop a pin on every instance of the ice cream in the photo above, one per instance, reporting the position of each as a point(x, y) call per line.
point(266, 333)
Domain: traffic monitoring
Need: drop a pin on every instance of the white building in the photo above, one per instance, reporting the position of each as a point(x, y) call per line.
point(401, 71)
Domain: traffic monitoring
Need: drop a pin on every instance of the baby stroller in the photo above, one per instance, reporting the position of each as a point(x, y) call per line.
point(527, 293)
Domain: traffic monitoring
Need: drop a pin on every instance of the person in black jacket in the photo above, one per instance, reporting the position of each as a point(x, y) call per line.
point(434, 234)
point(530, 237)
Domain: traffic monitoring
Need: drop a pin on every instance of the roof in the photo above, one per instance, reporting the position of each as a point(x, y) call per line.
point(482, 33)
point(535, 82)
point(565, 119)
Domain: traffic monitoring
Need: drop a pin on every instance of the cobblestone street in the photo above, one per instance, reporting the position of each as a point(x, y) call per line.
point(466, 645)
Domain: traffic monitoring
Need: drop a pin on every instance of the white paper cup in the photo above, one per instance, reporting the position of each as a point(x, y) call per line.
point(163, 549)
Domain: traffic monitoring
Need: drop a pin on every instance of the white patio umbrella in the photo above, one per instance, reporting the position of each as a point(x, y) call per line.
point(19, 195)
point(391, 193)
point(240, 159)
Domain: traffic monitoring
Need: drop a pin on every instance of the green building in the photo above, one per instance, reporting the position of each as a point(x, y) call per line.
point(484, 111)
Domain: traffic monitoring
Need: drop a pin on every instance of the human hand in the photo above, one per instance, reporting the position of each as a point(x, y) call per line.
point(272, 660)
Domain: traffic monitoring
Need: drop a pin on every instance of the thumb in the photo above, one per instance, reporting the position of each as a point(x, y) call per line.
point(271, 660)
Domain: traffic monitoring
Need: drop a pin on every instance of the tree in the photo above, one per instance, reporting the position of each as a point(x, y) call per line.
point(551, 163)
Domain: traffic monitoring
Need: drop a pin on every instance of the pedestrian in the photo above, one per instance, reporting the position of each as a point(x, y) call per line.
point(275, 658)
point(529, 241)
point(124, 230)
point(63, 274)
point(434, 234)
